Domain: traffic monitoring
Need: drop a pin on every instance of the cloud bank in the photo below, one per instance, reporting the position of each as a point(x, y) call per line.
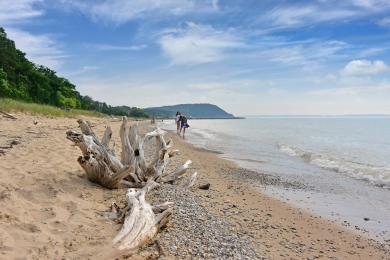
point(197, 44)
point(360, 68)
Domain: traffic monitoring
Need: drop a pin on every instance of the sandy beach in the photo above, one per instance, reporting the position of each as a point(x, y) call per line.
point(49, 210)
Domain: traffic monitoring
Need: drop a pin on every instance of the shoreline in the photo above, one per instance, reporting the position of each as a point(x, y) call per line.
point(331, 194)
point(293, 222)
point(49, 209)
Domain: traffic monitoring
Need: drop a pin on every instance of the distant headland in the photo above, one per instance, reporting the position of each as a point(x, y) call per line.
point(195, 111)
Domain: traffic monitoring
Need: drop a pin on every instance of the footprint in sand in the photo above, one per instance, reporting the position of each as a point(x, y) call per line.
point(29, 227)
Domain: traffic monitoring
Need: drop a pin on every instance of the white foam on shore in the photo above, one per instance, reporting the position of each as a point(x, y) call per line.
point(203, 133)
point(331, 161)
point(374, 174)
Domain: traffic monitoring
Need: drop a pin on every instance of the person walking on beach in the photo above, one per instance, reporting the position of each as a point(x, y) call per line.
point(183, 124)
point(177, 119)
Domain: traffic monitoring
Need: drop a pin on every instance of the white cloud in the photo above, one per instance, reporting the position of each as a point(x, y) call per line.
point(81, 71)
point(384, 22)
point(364, 68)
point(210, 86)
point(41, 49)
point(109, 47)
point(308, 55)
point(371, 52)
point(288, 15)
point(347, 91)
point(228, 86)
point(330, 92)
point(215, 4)
point(196, 44)
point(371, 4)
point(121, 11)
point(17, 11)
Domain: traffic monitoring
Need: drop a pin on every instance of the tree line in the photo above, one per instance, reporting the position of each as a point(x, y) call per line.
point(21, 79)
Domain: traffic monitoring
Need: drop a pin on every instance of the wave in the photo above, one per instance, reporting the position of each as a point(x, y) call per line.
point(376, 175)
point(208, 134)
point(170, 125)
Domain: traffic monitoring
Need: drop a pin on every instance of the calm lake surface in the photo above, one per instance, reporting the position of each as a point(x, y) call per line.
point(345, 161)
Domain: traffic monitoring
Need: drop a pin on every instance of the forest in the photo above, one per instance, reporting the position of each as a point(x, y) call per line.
point(21, 79)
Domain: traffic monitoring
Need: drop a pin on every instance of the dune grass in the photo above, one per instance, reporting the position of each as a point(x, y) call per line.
point(11, 105)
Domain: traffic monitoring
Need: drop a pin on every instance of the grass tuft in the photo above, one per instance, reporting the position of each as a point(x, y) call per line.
point(11, 105)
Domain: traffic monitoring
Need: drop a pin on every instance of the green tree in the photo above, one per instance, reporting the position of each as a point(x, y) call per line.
point(5, 90)
point(24, 80)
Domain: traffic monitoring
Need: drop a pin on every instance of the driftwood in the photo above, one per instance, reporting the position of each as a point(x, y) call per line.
point(142, 224)
point(191, 181)
point(141, 221)
point(10, 146)
point(5, 114)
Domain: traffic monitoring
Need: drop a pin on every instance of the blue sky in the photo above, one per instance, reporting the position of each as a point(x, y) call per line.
point(249, 57)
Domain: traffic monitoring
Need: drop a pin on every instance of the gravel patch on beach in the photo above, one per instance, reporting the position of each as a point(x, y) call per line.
point(193, 232)
point(258, 178)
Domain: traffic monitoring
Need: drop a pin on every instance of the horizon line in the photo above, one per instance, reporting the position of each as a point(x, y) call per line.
point(317, 115)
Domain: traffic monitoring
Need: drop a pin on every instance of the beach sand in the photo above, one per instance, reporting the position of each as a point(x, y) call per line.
point(49, 210)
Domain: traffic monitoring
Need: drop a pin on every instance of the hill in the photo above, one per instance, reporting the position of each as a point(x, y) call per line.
point(23, 80)
point(193, 110)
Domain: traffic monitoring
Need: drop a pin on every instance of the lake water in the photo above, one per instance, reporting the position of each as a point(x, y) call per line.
point(344, 160)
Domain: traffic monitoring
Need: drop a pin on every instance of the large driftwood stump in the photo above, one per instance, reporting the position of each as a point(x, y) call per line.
point(103, 167)
point(142, 221)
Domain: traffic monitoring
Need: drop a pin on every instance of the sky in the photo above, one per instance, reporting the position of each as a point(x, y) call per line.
point(252, 57)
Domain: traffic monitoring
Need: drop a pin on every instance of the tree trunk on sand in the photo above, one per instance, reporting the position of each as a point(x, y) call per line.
point(142, 221)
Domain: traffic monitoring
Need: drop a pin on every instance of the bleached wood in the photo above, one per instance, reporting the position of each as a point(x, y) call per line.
point(129, 184)
point(171, 178)
point(106, 140)
point(107, 136)
point(162, 207)
point(90, 146)
point(99, 164)
point(191, 181)
point(127, 155)
point(140, 222)
point(140, 158)
point(162, 219)
point(104, 168)
point(140, 225)
point(86, 128)
point(133, 135)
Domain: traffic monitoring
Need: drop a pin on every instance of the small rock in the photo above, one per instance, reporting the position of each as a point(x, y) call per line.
point(15, 142)
point(204, 186)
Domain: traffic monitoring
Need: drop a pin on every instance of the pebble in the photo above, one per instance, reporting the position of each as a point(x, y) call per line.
point(194, 232)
